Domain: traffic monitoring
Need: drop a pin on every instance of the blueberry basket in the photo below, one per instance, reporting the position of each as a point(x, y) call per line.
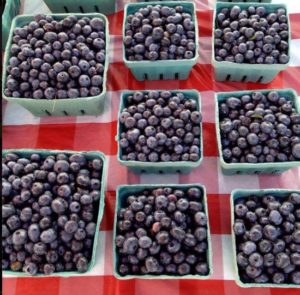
point(123, 192)
point(253, 168)
point(92, 105)
point(11, 10)
point(77, 6)
point(88, 155)
point(160, 167)
point(260, 73)
point(162, 69)
point(243, 193)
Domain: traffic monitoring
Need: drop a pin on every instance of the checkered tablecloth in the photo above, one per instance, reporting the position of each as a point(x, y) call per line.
point(22, 130)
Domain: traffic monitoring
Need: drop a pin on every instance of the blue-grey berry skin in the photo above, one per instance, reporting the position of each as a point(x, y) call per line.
point(96, 81)
point(84, 81)
point(296, 151)
point(73, 93)
point(31, 268)
point(200, 218)
point(145, 242)
point(249, 247)
point(63, 77)
point(130, 245)
point(19, 237)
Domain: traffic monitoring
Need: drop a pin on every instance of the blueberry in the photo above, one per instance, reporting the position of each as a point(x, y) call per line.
point(7, 209)
point(253, 272)
point(130, 245)
point(19, 237)
point(48, 236)
point(84, 81)
point(82, 264)
point(202, 268)
point(183, 269)
point(201, 247)
point(275, 217)
point(265, 246)
point(239, 228)
point(200, 218)
point(242, 260)
point(31, 268)
point(151, 264)
point(296, 151)
point(256, 260)
point(49, 268)
point(189, 240)
point(249, 247)
point(162, 238)
point(13, 222)
point(182, 204)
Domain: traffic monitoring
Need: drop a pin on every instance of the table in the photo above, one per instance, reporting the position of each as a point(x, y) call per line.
point(22, 130)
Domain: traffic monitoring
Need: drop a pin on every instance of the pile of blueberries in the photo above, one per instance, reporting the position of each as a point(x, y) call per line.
point(259, 128)
point(163, 231)
point(53, 59)
point(49, 212)
point(267, 231)
point(160, 32)
point(160, 126)
point(252, 35)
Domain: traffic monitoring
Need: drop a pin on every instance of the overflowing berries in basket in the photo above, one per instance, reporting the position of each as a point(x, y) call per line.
point(267, 232)
point(253, 35)
point(53, 59)
point(163, 231)
point(259, 128)
point(160, 32)
point(50, 207)
point(160, 126)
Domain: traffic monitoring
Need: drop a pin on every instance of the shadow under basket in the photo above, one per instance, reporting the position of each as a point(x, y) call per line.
point(139, 167)
point(123, 192)
point(241, 194)
point(89, 155)
point(86, 6)
point(259, 73)
point(92, 105)
point(253, 168)
point(162, 69)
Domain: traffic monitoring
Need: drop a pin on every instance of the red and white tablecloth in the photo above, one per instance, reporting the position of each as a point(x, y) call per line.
point(22, 130)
